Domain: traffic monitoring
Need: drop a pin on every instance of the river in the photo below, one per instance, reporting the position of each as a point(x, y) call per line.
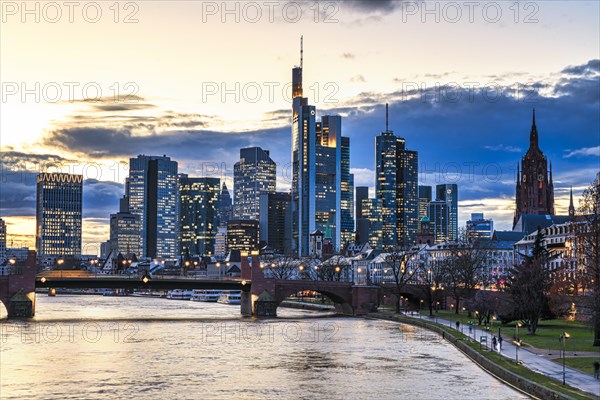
point(94, 347)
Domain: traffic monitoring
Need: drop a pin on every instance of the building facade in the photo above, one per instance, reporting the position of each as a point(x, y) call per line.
point(225, 206)
point(58, 214)
point(199, 209)
point(276, 221)
point(396, 186)
point(153, 194)
point(2, 239)
point(125, 230)
point(320, 169)
point(254, 174)
point(449, 194)
point(534, 189)
point(242, 235)
point(361, 223)
point(425, 196)
point(479, 228)
point(439, 217)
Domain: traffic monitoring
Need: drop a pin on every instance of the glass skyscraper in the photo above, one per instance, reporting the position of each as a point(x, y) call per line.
point(449, 194)
point(58, 214)
point(396, 186)
point(154, 196)
point(439, 217)
point(199, 209)
point(371, 211)
point(425, 196)
point(253, 175)
point(320, 163)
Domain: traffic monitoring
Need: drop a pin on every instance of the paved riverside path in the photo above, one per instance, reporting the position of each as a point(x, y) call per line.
point(534, 362)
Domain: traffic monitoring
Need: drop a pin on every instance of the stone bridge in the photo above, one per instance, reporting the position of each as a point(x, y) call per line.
point(17, 288)
point(266, 294)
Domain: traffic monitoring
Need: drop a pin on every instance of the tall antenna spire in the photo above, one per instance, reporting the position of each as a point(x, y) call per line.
point(386, 117)
point(301, 50)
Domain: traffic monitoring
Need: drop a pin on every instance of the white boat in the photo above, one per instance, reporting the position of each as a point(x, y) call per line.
point(230, 297)
point(178, 294)
point(114, 292)
point(210, 296)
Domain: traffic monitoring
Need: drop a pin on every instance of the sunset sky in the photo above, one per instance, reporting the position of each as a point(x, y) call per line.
point(461, 84)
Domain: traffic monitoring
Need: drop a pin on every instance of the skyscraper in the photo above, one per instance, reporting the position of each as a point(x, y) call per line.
point(396, 186)
point(362, 224)
point(154, 197)
point(125, 230)
point(58, 214)
point(199, 198)
point(276, 221)
point(479, 227)
point(2, 239)
point(225, 206)
point(535, 189)
point(372, 210)
point(254, 174)
point(347, 199)
point(425, 197)
point(242, 235)
point(320, 163)
point(449, 194)
point(439, 217)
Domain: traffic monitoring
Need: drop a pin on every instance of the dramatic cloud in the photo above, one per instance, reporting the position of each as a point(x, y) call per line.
point(502, 147)
point(586, 151)
point(591, 68)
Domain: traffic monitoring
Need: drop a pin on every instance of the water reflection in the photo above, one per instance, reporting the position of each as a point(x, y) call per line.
point(154, 348)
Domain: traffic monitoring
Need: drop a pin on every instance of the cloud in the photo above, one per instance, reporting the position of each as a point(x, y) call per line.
point(374, 5)
point(347, 56)
point(502, 147)
point(358, 79)
point(591, 68)
point(585, 151)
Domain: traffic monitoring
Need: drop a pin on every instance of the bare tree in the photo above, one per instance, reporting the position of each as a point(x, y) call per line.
point(396, 261)
point(530, 284)
point(280, 267)
point(463, 269)
point(334, 268)
point(431, 278)
point(588, 248)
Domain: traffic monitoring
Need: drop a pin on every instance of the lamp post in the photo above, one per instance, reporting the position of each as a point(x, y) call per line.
point(563, 338)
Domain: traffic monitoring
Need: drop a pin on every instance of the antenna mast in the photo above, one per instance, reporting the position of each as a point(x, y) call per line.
point(386, 117)
point(301, 50)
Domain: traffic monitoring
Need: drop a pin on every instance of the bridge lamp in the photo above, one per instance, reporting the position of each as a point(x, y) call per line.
point(145, 279)
point(301, 268)
point(195, 263)
point(272, 265)
point(218, 264)
point(12, 261)
point(244, 283)
point(43, 280)
point(337, 269)
point(316, 267)
point(187, 263)
point(227, 264)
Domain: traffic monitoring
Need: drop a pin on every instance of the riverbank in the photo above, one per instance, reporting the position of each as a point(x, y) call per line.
point(533, 384)
point(306, 306)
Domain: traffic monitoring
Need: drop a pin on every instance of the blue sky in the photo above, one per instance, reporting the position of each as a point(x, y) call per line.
point(460, 93)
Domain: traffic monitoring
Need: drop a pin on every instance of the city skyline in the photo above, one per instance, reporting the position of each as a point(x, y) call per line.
point(566, 117)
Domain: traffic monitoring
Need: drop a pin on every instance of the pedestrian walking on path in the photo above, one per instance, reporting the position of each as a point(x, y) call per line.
point(494, 343)
point(457, 325)
point(499, 343)
point(596, 369)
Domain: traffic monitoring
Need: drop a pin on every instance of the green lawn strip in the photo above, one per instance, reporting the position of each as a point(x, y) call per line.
point(583, 364)
point(520, 369)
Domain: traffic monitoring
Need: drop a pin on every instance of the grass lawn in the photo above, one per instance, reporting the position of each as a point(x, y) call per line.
point(584, 364)
point(521, 370)
point(546, 336)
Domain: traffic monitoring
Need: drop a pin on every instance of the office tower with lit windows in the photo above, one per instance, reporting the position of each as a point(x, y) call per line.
point(320, 169)
point(125, 230)
point(449, 194)
point(371, 211)
point(439, 218)
point(58, 214)
point(242, 235)
point(154, 196)
point(396, 186)
point(425, 196)
point(2, 239)
point(254, 174)
point(198, 210)
point(276, 222)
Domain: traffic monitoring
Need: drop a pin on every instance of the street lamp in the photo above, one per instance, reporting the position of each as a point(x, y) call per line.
point(563, 338)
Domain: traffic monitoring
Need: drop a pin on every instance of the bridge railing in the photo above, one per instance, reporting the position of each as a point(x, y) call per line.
point(81, 274)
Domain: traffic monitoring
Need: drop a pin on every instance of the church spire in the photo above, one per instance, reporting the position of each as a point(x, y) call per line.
point(533, 136)
point(571, 206)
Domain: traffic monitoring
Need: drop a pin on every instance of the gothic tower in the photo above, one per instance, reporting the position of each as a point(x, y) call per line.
point(535, 190)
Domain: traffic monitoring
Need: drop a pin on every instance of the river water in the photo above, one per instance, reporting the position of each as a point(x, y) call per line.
point(94, 347)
